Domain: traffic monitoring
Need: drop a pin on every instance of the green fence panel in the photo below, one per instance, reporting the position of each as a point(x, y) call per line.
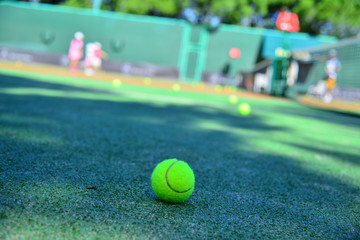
point(220, 42)
point(190, 52)
point(312, 68)
point(49, 28)
point(349, 56)
point(348, 53)
point(274, 39)
point(194, 51)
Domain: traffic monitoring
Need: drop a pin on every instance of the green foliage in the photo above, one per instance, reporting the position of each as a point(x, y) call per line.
point(339, 15)
point(231, 11)
point(160, 7)
point(50, 1)
point(339, 12)
point(78, 3)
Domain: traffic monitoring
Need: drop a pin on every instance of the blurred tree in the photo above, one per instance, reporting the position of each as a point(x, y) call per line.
point(230, 11)
point(49, 1)
point(169, 8)
point(336, 17)
point(79, 3)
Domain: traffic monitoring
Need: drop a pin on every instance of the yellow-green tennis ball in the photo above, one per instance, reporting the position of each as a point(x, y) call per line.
point(18, 64)
point(218, 88)
point(176, 87)
point(233, 99)
point(234, 89)
point(173, 180)
point(147, 81)
point(244, 109)
point(116, 83)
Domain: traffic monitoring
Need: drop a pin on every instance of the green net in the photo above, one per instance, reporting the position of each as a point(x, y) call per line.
point(312, 63)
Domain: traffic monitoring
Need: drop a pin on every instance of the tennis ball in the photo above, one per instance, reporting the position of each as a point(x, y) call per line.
point(116, 82)
point(233, 99)
point(173, 180)
point(147, 81)
point(176, 87)
point(232, 88)
point(244, 109)
point(218, 88)
point(18, 64)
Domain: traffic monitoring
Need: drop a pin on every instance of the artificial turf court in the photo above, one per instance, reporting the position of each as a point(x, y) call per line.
point(286, 171)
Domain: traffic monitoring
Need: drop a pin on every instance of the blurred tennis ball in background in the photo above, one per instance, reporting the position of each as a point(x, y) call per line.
point(18, 64)
point(244, 109)
point(147, 81)
point(116, 83)
point(232, 88)
point(173, 180)
point(176, 87)
point(218, 88)
point(233, 99)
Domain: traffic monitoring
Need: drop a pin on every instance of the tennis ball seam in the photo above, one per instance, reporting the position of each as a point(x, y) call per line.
point(167, 181)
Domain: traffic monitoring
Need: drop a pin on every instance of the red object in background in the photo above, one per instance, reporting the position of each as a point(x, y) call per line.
point(288, 21)
point(234, 53)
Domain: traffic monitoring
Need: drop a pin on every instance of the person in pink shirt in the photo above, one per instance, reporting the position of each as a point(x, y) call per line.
point(75, 51)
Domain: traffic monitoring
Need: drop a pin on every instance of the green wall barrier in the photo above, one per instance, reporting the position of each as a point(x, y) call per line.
point(138, 43)
point(248, 41)
point(50, 28)
point(348, 53)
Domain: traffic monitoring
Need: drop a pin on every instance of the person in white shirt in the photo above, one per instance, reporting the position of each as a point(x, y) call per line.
point(333, 65)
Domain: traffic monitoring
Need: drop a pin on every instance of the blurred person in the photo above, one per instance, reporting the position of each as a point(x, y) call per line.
point(76, 51)
point(292, 73)
point(93, 59)
point(333, 65)
point(89, 58)
point(99, 54)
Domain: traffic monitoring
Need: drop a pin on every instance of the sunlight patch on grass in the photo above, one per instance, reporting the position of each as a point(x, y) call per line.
point(320, 163)
point(214, 125)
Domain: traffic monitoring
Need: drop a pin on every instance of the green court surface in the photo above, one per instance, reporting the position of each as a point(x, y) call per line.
point(286, 171)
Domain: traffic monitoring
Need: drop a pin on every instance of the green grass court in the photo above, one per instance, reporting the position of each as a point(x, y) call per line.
point(284, 172)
